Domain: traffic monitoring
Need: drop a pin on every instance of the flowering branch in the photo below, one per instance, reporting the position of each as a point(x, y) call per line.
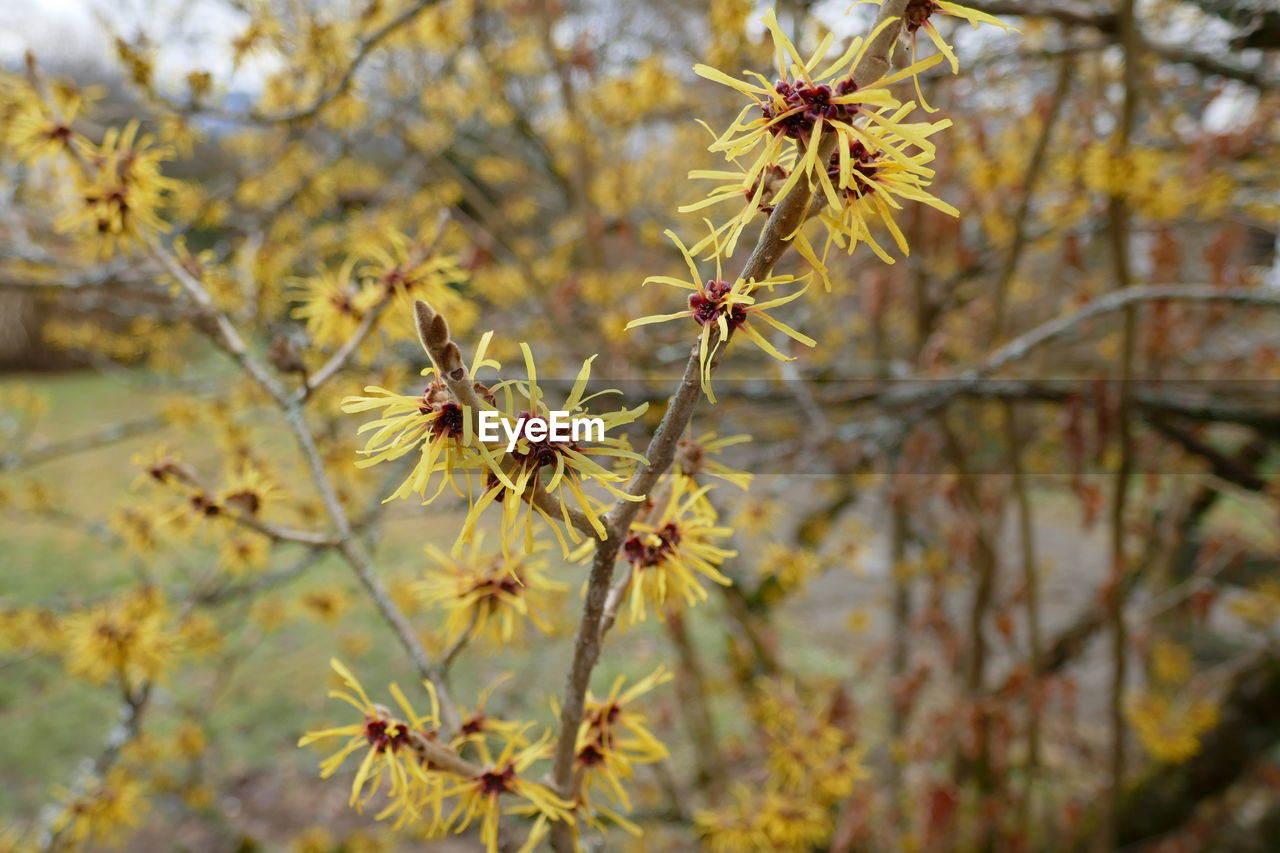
point(774, 240)
point(433, 332)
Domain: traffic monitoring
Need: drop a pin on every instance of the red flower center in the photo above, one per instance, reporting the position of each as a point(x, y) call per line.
point(803, 105)
point(645, 552)
point(710, 303)
point(495, 782)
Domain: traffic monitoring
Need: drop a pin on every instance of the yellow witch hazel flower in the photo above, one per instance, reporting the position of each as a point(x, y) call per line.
point(1170, 728)
point(809, 99)
point(104, 811)
point(481, 795)
point(332, 305)
point(432, 423)
point(405, 268)
point(120, 191)
point(561, 468)
point(387, 739)
point(876, 178)
point(669, 552)
point(612, 738)
point(696, 457)
point(522, 464)
point(919, 16)
point(41, 130)
point(487, 594)
point(722, 308)
point(764, 820)
point(130, 638)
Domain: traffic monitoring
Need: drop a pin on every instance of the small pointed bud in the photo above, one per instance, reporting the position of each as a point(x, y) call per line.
point(425, 316)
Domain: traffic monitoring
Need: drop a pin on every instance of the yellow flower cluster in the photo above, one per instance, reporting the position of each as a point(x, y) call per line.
point(488, 595)
point(404, 755)
point(131, 639)
point(451, 453)
point(819, 129)
point(812, 762)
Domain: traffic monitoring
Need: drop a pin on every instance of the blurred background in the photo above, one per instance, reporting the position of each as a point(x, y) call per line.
point(1006, 571)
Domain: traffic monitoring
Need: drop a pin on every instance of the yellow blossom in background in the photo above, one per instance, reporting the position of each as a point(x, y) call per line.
point(1170, 727)
point(764, 820)
point(326, 605)
point(269, 614)
point(313, 839)
point(107, 808)
point(488, 595)
point(42, 130)
point(30, 629)
point(789, 567)
point(131, 638)
point(119, 192)
point(1170, 662)
point(697, 457)
point(333, 304)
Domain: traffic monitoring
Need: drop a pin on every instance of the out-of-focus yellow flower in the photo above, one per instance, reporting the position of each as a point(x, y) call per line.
point(764, 820)
point(1170, 662)
point(130, 638)
point(40, 130)
point(1170, 727)
point(333, 304)
point(487, 594)
point(120, 191)
point(788, 567)
point(326, 604)
point(105, 811)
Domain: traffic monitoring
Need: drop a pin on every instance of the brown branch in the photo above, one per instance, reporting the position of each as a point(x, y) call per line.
point(932, 397)
point(100, 437)
point(1118, 216)
point(1030, 181)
